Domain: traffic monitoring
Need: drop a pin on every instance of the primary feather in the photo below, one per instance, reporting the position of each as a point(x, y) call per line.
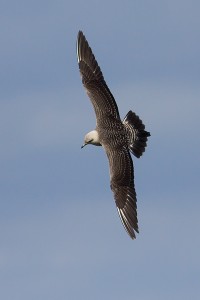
point(112, 134)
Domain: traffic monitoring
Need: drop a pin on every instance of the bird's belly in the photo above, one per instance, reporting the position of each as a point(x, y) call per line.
point(114, 138)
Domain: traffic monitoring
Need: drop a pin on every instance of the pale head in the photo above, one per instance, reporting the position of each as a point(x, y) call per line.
point(92, 138)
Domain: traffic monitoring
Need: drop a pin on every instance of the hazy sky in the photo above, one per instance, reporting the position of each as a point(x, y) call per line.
point(60, 234)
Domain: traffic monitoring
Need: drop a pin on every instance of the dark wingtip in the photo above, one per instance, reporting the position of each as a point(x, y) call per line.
point(80, 34)
point(88, 65)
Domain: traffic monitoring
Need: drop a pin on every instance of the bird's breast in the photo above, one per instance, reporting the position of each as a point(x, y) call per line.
point(113, 135)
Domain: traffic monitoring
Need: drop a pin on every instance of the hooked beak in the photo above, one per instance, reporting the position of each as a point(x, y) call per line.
point(83, 145)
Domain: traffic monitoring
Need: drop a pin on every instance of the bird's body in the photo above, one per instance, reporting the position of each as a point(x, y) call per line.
point(116, 137)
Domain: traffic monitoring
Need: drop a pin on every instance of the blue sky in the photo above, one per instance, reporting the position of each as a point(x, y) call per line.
point(60, 235)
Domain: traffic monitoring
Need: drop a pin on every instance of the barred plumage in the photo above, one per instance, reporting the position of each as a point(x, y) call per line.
point(116, 137)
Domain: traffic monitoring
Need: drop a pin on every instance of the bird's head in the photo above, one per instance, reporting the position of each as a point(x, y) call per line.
point(92, 138)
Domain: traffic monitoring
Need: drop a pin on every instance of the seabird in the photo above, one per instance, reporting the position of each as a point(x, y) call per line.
point(117, 137)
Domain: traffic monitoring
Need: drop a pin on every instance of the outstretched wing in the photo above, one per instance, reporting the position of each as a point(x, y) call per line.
point(93, 80)
point(122, 185)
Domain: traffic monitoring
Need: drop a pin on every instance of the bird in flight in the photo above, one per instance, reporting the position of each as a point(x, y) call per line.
point(118, 138)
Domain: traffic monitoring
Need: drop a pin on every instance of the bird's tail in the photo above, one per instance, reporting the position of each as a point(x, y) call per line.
point(137, 136)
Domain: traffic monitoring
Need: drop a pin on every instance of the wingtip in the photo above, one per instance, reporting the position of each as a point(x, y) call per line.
point(78, 45)
point(80, 39)
point(80, 33)
point(128, 227)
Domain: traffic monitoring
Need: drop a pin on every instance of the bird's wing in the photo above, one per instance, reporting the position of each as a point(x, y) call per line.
point(103, 101)
point(122, 185)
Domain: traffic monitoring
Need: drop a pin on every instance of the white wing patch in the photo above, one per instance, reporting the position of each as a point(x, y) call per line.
point(125, 223)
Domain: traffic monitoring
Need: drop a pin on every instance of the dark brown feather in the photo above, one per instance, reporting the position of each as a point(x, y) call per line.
point(122, 185)
point(93, 80)
point(112, 136)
